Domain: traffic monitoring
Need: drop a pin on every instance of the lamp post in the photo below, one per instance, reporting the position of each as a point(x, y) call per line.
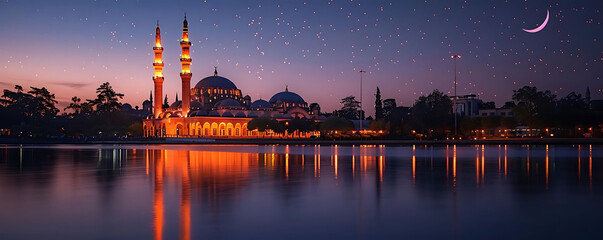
point(454, 57)
point(361, 115)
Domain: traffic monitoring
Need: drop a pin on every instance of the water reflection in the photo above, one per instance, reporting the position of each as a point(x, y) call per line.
point(205, 191)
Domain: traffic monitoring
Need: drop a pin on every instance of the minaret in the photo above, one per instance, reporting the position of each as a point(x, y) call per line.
point(186, 74)
point(158, 76)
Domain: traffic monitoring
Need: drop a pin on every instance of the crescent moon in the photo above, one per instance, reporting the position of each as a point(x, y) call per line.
point(535, 30)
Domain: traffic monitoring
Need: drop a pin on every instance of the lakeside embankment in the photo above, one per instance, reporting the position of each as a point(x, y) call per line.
point(193, 141)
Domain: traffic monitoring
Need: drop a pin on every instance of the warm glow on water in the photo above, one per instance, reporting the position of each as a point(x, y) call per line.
point(304, 192)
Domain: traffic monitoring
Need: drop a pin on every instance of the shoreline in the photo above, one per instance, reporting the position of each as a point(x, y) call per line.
point(195, 141)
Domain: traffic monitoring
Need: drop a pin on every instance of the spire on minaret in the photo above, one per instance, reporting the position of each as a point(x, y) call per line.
point(176, 97)
point(151, 96)
point(185, 23)
point(215, 71)
point(286, 88)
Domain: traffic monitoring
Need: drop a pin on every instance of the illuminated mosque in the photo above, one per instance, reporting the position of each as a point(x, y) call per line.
point(215, 107)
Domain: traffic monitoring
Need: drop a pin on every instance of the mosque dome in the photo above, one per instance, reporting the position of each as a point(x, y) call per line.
point(228, 103)
point(260, 104)
point(286, 97)
point(146, 103)
point(176, 104)
point(215, 82)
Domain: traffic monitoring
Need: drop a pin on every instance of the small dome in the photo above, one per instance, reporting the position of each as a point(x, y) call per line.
point(176, 104)
point(126, 107)
point(201, 113)
point(215, 82)
point(287, 97)
point(196, 105)
point(227, 114)
point(240, 114)
point(214, 114)
point(147, 103)
point(260, 104)
point(253, 115)
point(227, 103)
point(197, 113)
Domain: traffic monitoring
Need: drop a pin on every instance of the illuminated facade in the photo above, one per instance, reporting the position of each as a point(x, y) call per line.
point(215, 107)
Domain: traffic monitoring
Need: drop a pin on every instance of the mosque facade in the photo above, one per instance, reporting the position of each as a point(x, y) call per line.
point(215, 107)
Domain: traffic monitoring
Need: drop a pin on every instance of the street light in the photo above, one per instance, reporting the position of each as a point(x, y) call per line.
point(454, 57)
point(361, 115)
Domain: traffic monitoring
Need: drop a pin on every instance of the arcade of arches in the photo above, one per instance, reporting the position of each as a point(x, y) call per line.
point(207, 127)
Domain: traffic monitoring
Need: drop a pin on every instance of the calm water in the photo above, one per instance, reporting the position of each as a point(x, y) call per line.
point(300, 192)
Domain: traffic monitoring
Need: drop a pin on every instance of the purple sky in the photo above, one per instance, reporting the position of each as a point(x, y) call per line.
point(314, 47)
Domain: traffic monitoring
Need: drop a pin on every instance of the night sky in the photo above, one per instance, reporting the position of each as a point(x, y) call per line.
point(314, 47)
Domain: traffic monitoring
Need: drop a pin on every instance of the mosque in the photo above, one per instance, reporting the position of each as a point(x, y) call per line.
point(215, 107)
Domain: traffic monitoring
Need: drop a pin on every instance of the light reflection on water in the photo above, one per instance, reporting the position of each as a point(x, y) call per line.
point(189, 192)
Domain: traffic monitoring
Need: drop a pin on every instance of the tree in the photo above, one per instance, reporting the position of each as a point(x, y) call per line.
point(508, 122)
point(468, 124)
point(432, 112)
point(334, 123)
point(302, 125)
point(378, 105)
point(35, 104)
point(165, 102)
point(350, 107)
point(490, 122)
point(263, 124)
point(388, 106)
point(314, 109)
point(75, 105)
point(534, 107)
point(107, 100)
point(572, 110)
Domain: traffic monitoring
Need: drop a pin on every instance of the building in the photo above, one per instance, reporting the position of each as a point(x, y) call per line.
point(215, 107)
point(467, 106)
point(498, 112)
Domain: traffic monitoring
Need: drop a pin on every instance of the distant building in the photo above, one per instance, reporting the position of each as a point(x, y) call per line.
point(498, 112)
point(467, 105)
